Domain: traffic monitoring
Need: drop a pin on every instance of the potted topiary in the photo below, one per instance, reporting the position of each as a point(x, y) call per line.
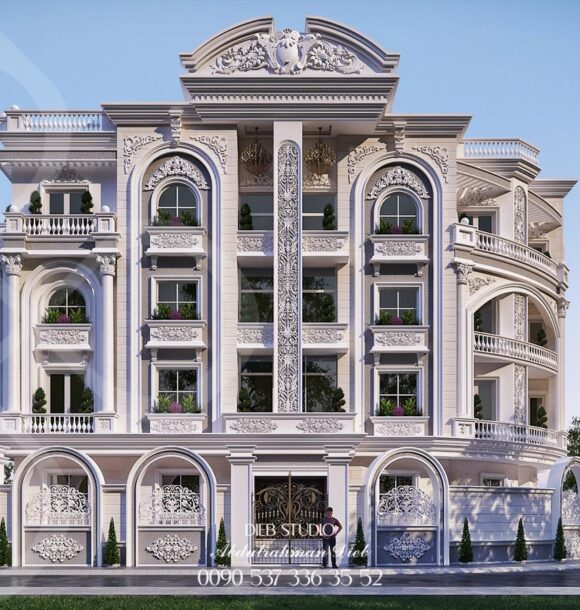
point(245, 220)
point(359, 555)
point(244, 401)
point(328, 218)
point(35, 205)
point(39, 401)
point(86, 203)
point(337, 401)
point(541, 338)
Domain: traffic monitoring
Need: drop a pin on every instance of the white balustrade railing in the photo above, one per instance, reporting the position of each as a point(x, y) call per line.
point(515, 251)
point(486, 343)
point(499, 149)
point(515, 433)
point(171, 505)
point(58, 505)
point(47, 423)
point(406, 505)
point(60, 224)
point(55, 121)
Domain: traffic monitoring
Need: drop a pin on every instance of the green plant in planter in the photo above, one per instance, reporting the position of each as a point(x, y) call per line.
point(39, 401)
point(188, 312)
point(86, 203)
point(77, 316)
point(188, 219)
point(112, 556)
point(384, 228)
point(409, 318)
point(386, 406)
point(87, 401)
point(465, 548)
point(35, 205)
point(162, 312)
point(408, 227)
point(5, 559)
point(188, 404)
point(162, 403)
point(359, 550)
point(541, 338)
point(521, 549)
point(245, 218)
point(50, 316)
point(560, 550)
point(384, 318)
point(222, 551)
point(477, 407)
point(337, 401)
point(541, 418)
point(244, 401)
point(410, 406)
point(162, 218)
point(329, 218)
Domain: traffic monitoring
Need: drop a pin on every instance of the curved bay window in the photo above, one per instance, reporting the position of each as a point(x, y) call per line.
point(398, 214)
point(177, 205)
point(66, 305)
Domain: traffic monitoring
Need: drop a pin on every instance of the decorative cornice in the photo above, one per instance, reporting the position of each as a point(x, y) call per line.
point(177, 166)
point(218, 145)
point(440, 154)
point(132, 144)
point(398, 176)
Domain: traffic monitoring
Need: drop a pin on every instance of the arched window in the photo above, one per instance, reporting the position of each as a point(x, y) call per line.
point(177, 204)
point(398, 210)
point(66, 305)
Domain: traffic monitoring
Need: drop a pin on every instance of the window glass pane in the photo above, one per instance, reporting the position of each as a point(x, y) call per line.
point(485, 223)
point(187, 380)
point(407, 206)
point(319, 382)
point(483, 319)
point(57, 393)
point(75, 202)
point(257, 279)
point(167, 292)
point(58, 298)
point(257, 365)
point(388, 298)
point(389, 206)
point(256, 295)
point(187, 292)
point(56, 203)
point(167, 380)
point(259, 204)
point(387, 482)
point(168, 197)
point(486, 390)
point(318, 307)
point(320, 365)
point(319, 279)
point(407, 298)
point(316, 203)
point(75, 299)
point(186, 198)
point(262, 223)
point(77, 385)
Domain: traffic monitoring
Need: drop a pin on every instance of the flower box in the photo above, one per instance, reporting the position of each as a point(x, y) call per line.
point(416, 425)
point(176, 423)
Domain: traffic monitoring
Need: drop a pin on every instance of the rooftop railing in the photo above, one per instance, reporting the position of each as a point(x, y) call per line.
point(499, 148)
point(64, 121)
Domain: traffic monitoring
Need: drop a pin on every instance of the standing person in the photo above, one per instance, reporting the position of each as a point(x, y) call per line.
point(330, 527)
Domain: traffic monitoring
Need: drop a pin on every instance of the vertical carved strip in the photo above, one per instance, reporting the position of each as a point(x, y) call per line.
point(520, 224)
point(287, 368)
point(520, 394)
point(520, 317)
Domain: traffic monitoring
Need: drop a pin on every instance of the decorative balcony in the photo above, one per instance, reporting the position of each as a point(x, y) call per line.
point(399, 249)
point(507, 432)
point(63, 337)
point(176, 334)
point(289, 423)
point(171, 505)
point(512, 349)
point(403, 426)
point(63, 121)
point(399, 339)
point(469, 239)
point(60, 225)
point(406, 505)
point(499, 148)
point(58, 423)
point(180, 241)
point(58, 505)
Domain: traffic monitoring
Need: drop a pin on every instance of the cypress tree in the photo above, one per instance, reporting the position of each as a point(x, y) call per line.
point(560, 550)
point(337, 401)
point(465, 549)
point(359, 555)
point(4, 547)
point(521, 550)
point(477, 407)
point(222, 551)
point(245, 221)
point(112, 555)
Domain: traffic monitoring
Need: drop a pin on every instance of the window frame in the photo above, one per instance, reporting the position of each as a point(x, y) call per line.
point(166, 183)
point(319, 214)
point(48, 187)
point(502, 478)
point(67, 307)
point(333, 292)
point(398, 473)
point(476, 212)
point(157, 365)
point(179, 472)
point(378, 286)
point(495, 381)
point(305, 375)
point(395, 189)
point(247, 291)
point(401, 370)
point(257, 214)
point(154, 290)
point(67, 373)
point(242, 357)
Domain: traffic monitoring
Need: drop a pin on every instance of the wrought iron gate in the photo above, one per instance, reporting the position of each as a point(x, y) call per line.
point(287, 514)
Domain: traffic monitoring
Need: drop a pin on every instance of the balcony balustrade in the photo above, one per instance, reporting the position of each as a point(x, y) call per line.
point(60, 225)
point(49, 423)
point(499, 148)
point(58, 505)
point(63, 121)
point(171, 505)
point(505, 347)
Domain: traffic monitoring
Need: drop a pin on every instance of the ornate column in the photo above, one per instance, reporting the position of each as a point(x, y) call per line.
point(12, 266)
point(241, 459)
point(559, 423)
point(287, 395)
point(107, 264)
point(464, 364)
point(337, 460)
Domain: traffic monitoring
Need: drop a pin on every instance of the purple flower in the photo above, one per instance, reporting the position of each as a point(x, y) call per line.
point(396, 230)
point(175, 315)
point(398, 411)
point(396, 321)
point(176, 221)
point(63, 319)
point(175, 407)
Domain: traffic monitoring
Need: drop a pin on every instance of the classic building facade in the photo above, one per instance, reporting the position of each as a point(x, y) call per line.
point(275, 296)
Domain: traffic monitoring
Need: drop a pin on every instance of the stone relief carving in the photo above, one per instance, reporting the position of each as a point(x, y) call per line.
point(263, 335)
point(520, 317)
point(57, 336)
point(218, 145)
point(398, 176)
point(175, 119)
point(322, 244)
point(12, 263)
point(399, 428)
point(256, 243)
point(108, 263)
point(399, 139)
point(520, 399)
point(174, 240)
point(287, 262)
point(261, 180)
point(171, 548)
point(287, 52)
point(398, 339)
point(520, 215)
point(67, 174)
point(322, 335)
point(322, 425)
point(175, 334)
point(573, 544)
point(407, 547)
point(396, 247)
point(476, 282)
point(58, 548)
point(177, 166)
point(405, 505)
point(570, 508)
point(356, 155)
point(313, 180)
point(258, 425)
point(173, 425)
point(439, 154)
point(132, 144)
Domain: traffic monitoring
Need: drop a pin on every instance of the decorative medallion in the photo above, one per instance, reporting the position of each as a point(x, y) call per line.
point(356, 155)
point(398, 176)
point(322, 425)
point(182, 240)
point(132, 144)
point(171, 548)
point(407, 547)
point(177, 166)
point(439, 154)
point(520, 215)
point(218, 145)
point(67, 174)
point(287, 52)
point(258, 425)
point(58, 549)
point(287, 268)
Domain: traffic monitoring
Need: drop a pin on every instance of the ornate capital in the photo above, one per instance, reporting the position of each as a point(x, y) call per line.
point(108, 263)
point(563, 305)
point(175, 119)
point(462, 270)
point(12, 263)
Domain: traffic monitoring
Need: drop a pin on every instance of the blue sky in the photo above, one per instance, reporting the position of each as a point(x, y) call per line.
point(512, 64)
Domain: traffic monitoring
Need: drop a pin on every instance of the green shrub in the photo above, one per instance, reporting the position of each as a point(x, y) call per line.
point(329, 218)
point(112, 555)
point(35, 206)
point(384, 318)
point(359, 555)
point(244, 401)
point(386, 406)
point(39, 401)
point(5, 559)
point(245, 219)
point(87, 401)
point(384, 228)
point(162, 403)
point(188, 404)
point(409, 318)
point(162, 312)
point(477, 407)
point(337, 401)
point(560, 550)
point(521, 549)
point(541, 418)
point(77, 316)
point(541, 337)
point(222, 551)
point(188, 219)
point(465, 549)
point(410, 407)
point(86, 203)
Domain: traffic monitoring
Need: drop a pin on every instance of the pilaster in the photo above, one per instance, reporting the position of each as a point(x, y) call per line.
point(464, 366)
point(12, 267)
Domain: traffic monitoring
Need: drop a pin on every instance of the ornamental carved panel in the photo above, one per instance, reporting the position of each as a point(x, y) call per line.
point(397, 248)
point(168, 424)
point(398, 339)
point(322, 335)
point(262, 244)
point(257, 425)
point(520, 232)
point(57, 336)
point(183, 240)
point(407, 547)
point(520, 394)
point(398, 176)
point(321, 425)
point(57, 548)
point(177, 166)
point(171, 548)
point(287, 265)
point(175, 334)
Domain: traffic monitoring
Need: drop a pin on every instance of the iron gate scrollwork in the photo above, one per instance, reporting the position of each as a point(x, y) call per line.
point(287, 515)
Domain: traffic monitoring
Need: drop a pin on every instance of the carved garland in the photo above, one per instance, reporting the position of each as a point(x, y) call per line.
point(322, 244)
point(176, 166)
point(262, 336)
point(258, 243)
point(173, 425)
point(398, 176)
point(175, 334)
point(132, 144)
point(359, 153)
point(397, 248)
point(439, 154)
point(323, 425)
point(174, 240)
point(63, 337)
point(218, 145)
point(399, 429)
point(258, 425)
point(398, 339)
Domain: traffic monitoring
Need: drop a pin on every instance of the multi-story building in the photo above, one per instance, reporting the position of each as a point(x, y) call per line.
point(274, 296)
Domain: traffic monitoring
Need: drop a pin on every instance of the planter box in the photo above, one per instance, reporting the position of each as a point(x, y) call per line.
point(399, 249)
point(400, 425)
point(399, 339)
point(63, 337)
point(171, 334)
point(175, 241)
point(176, 423)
